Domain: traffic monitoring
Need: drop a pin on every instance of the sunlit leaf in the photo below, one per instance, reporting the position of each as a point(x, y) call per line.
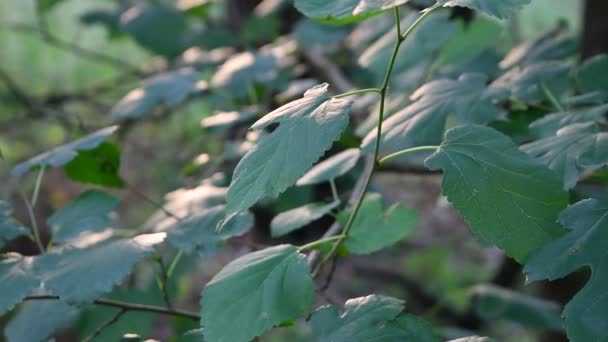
point(497, 8)
point(344, 11)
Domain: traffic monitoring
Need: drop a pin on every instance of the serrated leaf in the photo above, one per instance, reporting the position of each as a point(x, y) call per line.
point(571, 150)
point(344, 11)
point(39, 320)
point(497, 8)
point(306, 129)
point(424, 120)
point(591, 75)
point(508, 198)
point(331, 168)
point(17, 280)
point(525, 83)
point(550, 124)
point(259, 290)
point(63, 154)
point(88, 213)
point(373, 229)
point(199, 232)
point(168, 89)
point(9, 227)
point(494, 303)
point(81, 275)
point(369, 318)
point(242, 71)
point(294, 219)
point(584, 245)
point(98, 166)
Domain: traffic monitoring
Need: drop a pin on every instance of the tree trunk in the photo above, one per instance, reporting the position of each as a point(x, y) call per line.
point(595, 34)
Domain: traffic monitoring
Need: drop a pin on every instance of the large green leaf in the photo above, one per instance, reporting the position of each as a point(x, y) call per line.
point(39, 320)
point(9, 227)
point(497, 8)
point(508, 198)
point(371, 318)
point(256, 291)
point(63, 154)
point(583, 246)
point(344, 11)
point(591, 75)
point(373, 229)
point(571, 150)
point(17, 280)
point(88, 213)
point(492, 303)
point(423, 121)
point(168, 89)
point(81, 275)
point(331, 168)
point(97, 166)
point(306, 129)
point(294, 219)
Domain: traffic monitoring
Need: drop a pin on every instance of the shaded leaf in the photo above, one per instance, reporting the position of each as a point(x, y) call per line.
point(306, 129)
point(374, 230)
point(508, 198)
point(63, 154)
point(39, 320)
point(591, 75)
point(344, 11)
point(9, 227)
point(331, 168)
point(525, 83)
point(497, 8)
point(584, 245)
point(571, 150)
point(168, 89)
point(423, 121)
point(97, 166)
point(90, 212)
point(294, 219)
point(310, 33)
point(81, 275)
point(259, 290)
point(17, 280)
point(550, 124)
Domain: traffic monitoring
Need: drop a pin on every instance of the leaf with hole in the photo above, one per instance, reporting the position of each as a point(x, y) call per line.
point(583, 246)
point(259, 290)
point(294, 219)
point(508, 198)
point(306, 129)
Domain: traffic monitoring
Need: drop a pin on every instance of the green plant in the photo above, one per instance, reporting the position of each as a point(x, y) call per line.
point(511, 197)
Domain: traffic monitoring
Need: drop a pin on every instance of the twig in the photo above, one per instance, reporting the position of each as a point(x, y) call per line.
point(30, 212)
point(105, 325)
point(130, 306)
point(164, 282)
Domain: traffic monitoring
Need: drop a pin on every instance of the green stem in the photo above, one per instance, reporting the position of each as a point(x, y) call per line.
point(38, 185)
point(554, 101)
point(320, 242)
point(351, 219)
point(359, 92)
point(407, 151)
point(174, 263)
point(334, 190)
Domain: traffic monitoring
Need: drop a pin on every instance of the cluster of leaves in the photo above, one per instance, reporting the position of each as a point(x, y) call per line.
point(508, 180)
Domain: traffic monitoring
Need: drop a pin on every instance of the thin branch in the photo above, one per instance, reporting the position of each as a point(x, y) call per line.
point(105, 325)
point(407, 151)
point(130, 306)
point(32, 215)
point(164, 282)
point(554, 101)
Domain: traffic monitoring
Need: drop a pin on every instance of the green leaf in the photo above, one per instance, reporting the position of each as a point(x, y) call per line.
point(294, 219)
point(168, 89)
point(492, 303)
point(497, 8)
point(228, 119)
point(525, 83)
point(423, 121)
point(9, 227)
point(550, 124)
point(344, 11)
point(199, 232)
point(90, 212)
point(374, 230)
point(43, 6)
point(39, 320)
point(584, 245)
point(310, 34)
point(472, 339)
point(306, 129)
point(243, 71)
point(591, 75)
point(17, 280)
point(371, 318)
point(81, 275)
point(331, 168)
point(572, 150)
point(258, 290)
point(98, 166)
point(508, 198)
point(63, 154)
